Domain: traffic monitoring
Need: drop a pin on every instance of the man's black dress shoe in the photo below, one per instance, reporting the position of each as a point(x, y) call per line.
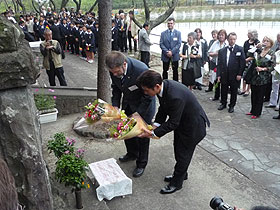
point(168, 189)
point(169, 177)
point(199, 87)
point(138, 172)
point(126, 158)
point(215, 99)
point(231, 109)
point(276, 117)
point(208, 90)
point(270, 106)
point(222, 106)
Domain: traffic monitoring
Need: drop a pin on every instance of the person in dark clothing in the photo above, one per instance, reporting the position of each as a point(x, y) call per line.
point(64, 33)
point(114, 37)
point(180, 112)
point(72, 38)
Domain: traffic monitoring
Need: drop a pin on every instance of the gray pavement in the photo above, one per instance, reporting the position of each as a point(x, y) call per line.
point(238, 159)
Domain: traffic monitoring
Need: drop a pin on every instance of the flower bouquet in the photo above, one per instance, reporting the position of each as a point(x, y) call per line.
point(100, 110)
point(129, 127)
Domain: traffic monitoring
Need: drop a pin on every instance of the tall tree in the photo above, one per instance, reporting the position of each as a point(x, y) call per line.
point(20, 3)
point(104, 47)
point(78, 4)
point(171, 5)
point(63, 4)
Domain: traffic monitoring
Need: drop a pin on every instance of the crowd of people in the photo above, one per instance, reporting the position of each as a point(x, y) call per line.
point(255, 65)
point(238, 70)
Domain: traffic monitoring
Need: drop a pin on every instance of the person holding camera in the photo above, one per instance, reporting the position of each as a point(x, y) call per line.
point(51, 51)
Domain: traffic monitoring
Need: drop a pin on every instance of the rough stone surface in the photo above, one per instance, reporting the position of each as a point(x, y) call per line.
point(11, 36)
point(17, 68)
point(21, 148)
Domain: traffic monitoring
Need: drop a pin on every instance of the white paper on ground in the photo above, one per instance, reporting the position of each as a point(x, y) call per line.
point(112, 180)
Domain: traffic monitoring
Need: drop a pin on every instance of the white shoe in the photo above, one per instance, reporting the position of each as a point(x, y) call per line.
point(90, 61)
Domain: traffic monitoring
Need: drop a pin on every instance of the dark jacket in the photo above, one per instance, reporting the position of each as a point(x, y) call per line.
point(134, 99)
point(185, 115)
point(55, 32)
point(235, 66)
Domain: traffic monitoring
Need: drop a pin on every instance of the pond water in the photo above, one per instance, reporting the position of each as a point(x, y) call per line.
point(264, 28)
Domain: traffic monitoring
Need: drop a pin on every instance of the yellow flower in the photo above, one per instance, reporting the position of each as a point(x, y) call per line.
point(83, 183)
point(88, 186)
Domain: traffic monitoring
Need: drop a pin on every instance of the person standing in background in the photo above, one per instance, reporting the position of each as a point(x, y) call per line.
point(170, 43)
point(144, 44)
point(132, 31)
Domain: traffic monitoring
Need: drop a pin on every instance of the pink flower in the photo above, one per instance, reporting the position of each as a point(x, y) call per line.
point(51, 90)
point(67, 152)
point(125, 127)
point(36, 90)
point(89, 104)
point(116, 135)
point(54, 97)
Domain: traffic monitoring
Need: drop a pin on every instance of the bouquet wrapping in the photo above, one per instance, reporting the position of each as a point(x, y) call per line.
point(129, 127)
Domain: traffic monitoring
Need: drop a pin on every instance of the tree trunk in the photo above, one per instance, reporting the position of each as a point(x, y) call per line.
point(92, 7)
point(160, 19)
point(63, 4)
point(78, 5)
point(19, 2)
point(54, 7)
point(104, 44)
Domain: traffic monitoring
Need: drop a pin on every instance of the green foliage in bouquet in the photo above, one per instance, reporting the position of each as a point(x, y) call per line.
point(43, 101)
point(71, 169)
point(123, 127)
point(60, 144)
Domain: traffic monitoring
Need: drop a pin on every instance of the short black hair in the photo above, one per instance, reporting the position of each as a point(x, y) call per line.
point(145, 25)
point(171, 19)
point(149, 79)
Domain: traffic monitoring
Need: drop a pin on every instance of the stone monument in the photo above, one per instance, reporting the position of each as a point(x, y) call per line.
point(20, 138)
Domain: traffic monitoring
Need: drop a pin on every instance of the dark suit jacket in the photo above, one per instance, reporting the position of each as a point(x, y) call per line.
point(134, 99)
point(235, 67)
point(186, 116)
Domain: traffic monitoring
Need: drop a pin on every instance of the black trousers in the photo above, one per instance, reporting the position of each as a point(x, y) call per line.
point(145, 57)
point(59, 72)
point(233, 85)
point(183, 157)
point(77, 47)
point(129, 37)
point(63, 43)
point(139, 148)
point(174, 69)
point(122, 41)
point(257, 96)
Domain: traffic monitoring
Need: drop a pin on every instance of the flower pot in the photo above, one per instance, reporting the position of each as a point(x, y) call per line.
point(47, 116)
point(78, 195)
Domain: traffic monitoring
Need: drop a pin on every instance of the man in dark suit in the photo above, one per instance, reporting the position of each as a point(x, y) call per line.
point(231, 64)
point(170, 43)
point(124, 72)
point(185, 117)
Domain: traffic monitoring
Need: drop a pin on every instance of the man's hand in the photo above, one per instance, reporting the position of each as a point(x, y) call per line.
point(146, 133)
point(169, 54)
point(219, 79)
point(238, 77)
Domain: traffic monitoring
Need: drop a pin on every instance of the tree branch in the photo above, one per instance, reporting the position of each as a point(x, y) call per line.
point(63, 4)
point(54, 7)
point(92, 7)
point(78, 4)
point(164, 16)
point(34, 6)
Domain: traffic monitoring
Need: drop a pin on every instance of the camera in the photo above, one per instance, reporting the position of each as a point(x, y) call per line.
point(217, 203)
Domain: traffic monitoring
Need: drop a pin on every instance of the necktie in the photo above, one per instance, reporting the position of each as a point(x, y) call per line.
point(170, 36)
point(122, 79)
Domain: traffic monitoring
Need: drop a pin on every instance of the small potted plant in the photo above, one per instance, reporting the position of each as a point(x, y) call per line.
point(71, 170)
point(46, 106)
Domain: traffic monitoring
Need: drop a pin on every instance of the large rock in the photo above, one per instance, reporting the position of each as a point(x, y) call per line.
point(21, 148)
point(11, 36)
point(17, 68)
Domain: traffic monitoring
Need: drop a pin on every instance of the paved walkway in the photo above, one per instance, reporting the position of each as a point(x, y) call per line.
point(239, 158)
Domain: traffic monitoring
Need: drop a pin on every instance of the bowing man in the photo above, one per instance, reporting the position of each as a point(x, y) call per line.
point(231, 64)
point(185, 117)
point(124, 72)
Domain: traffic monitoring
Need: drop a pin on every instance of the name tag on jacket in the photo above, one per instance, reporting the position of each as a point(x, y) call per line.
point(133, 87)
point(175, 39)
point(238, 54)
point(268, 57)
